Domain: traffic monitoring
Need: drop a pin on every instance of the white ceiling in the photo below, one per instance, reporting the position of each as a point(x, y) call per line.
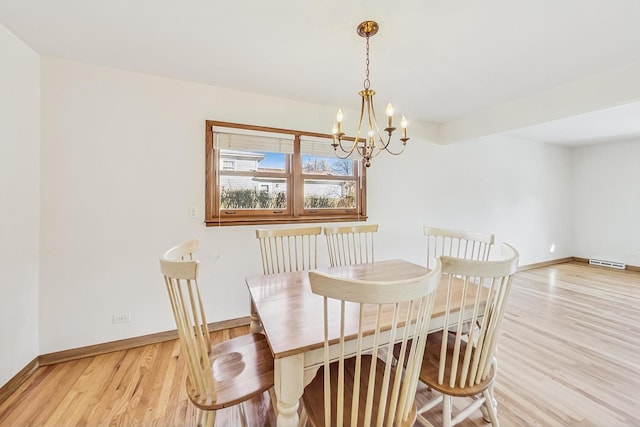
point(611, 124)
point(439, 61)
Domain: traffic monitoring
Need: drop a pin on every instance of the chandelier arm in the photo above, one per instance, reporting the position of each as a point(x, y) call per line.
point(396, 153)
point(373, 148)
point(338, 138)
point(353, 146)
point(377, 153)
point(364, 104)
point(350, 151)
point(384, 146)
point(337, 153)
point(380, 145)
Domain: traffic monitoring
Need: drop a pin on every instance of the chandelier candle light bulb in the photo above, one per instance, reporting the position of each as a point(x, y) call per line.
point(339, 117)
point(403, 126)
point(374, 143)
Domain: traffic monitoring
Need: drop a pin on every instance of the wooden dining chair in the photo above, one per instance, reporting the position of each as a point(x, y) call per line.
point(351, 244)
point(461, 363)
point(457, 243)
point(359, 383)
point(184, 251)
point(218, 375)
point(283, 250)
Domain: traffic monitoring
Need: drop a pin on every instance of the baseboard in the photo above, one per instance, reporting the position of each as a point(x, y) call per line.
point(108, 347)
point(545, 263)
point(581, 260)
point(17, 380)
point(568, 259)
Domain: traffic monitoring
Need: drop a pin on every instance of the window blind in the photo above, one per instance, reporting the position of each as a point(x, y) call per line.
point(320, 147)
point(273, 143)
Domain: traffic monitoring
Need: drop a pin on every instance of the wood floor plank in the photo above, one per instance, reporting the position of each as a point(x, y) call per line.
point(567, 356)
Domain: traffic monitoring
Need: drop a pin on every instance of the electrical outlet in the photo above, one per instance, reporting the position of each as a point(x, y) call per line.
point(193, 212)
point(122, 318)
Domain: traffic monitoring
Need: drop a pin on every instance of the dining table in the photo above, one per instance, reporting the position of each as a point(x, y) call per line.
point(292, 318)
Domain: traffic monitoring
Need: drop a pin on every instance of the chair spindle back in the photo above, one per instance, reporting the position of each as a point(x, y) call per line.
point(287, 250)
point(350, 245)
point(458, 244)
point(486, 286)
point(370, 390)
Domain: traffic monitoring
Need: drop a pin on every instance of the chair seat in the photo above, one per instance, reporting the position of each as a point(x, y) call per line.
point(243, 368)
point(431, 364)
point(313, 397)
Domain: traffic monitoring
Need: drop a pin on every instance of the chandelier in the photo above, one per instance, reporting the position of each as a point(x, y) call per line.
point(370, 142)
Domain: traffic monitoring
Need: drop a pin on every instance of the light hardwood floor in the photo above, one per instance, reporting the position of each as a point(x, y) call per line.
point(569, 355)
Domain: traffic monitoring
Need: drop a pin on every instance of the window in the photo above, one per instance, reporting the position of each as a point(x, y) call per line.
point(260, 175)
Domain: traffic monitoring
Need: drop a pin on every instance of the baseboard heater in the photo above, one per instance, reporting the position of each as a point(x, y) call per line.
point(611, 264)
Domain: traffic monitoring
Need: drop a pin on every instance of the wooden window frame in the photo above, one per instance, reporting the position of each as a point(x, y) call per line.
point(295, 211)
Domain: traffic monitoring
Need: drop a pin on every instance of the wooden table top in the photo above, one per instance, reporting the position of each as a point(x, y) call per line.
point(292, 316)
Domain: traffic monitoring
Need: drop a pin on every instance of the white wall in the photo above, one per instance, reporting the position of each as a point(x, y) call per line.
point(519, 190)
point(606, 218)
point(122, 162)
point(19, 194)
point(123, 159)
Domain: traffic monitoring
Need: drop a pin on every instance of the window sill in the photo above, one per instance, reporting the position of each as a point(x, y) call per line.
point(215, 222)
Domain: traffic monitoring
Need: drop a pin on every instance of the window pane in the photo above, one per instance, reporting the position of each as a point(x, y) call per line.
point(249, 192)
point(255, 161)
point(319, 194)
point(327, 166)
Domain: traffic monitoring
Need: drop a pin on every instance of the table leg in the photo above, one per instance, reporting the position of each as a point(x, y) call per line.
point(289, 385)
point(255, 327)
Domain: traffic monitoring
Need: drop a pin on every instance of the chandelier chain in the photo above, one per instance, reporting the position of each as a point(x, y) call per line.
point(367, 83)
